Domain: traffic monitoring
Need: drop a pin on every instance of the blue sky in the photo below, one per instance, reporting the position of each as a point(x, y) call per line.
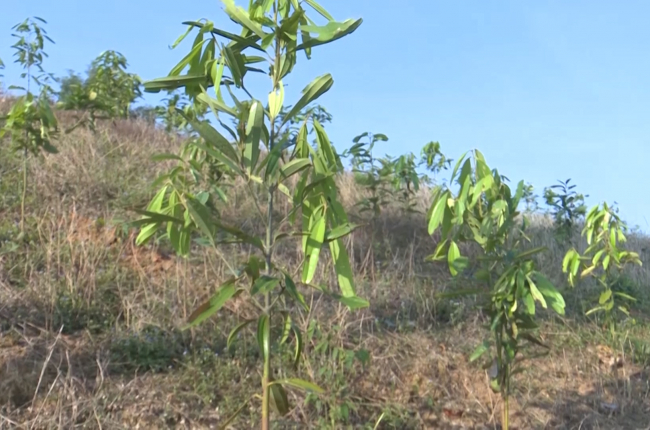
point(546, 90)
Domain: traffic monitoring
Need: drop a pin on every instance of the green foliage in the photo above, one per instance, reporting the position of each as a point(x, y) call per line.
point(107, 92)
point(263, 153)
point(567, 207)
point(375, 175)
point(604, 259)
point(30, 122)
point(484, 212)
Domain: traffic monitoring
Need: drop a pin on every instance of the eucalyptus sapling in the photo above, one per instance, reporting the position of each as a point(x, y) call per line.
point(484, 212)
point(604, 259)
point(264, 157)
point(30, 122)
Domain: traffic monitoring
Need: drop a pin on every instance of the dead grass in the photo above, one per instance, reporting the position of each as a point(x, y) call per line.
point(90, 323)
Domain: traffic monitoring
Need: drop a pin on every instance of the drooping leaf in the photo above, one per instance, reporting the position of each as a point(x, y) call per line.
point(264, 284)
point(329, 32)
point(236, 330)
point(301, 384)
point(314, 245)
point(225, 292)
point(311, 92)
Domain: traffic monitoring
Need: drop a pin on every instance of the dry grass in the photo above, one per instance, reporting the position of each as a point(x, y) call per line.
point(90, 334)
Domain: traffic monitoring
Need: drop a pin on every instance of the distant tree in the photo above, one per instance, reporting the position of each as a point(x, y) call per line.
point(107, 92)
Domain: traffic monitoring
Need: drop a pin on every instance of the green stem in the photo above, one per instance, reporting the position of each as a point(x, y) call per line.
point(267, 311)
point(24, 195)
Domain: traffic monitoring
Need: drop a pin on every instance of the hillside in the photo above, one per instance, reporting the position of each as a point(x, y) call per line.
point(91, 323)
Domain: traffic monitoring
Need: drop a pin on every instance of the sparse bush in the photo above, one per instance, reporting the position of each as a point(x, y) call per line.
point(567, 207)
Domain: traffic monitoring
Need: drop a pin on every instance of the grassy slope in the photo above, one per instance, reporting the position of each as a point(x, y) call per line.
point(120, 358)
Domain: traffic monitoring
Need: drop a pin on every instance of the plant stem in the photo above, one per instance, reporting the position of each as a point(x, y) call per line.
point(24, 196)
point(267, 311)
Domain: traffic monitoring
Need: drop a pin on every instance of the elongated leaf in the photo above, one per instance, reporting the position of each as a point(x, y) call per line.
point(294, 166)
point(240, 42)
point(276, 100)
point(279, 399)
point(452, 255)
point(311, 92)
point(216, 105)
point(301, 384)
point(213, 137)
point(264, 335)
point(329, 32)
point(340, 231)
point(253, 135)
point(170, 83)
point(342, 267)
point(239, 15)
point(201, 216)
point(318, 8)
point(353, 302)
point(299, 346)
point(605, 296)
point(264, 284)
point(235, 332)
point(553, 296)
point(314, 245)
point(479, 351)
point(293, 291)
point(216, 302)
point(437, 212)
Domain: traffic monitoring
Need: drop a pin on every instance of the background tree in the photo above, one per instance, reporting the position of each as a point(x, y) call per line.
point(30, 122)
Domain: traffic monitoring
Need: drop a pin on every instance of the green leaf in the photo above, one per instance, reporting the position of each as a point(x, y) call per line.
point(479, 351)
point(299, 346)
point(339, 232)
point(438, 212)
point(276, 100)
point(353, 302)
point(294, 166)
point(235, 331)
point(214, 138)
point(216, 302)
point(329, 32)
point(264, 284)
point(200, 215)
point(264, 335)
point(314, 245)
point(452, 255)
point(293, 291)
point(170, 83)
point(311, 92)
point(342, 267)
point(625, 296)
point(553, 296)
point(318, 8)
point(253, 135)
point(301, 384)
point(239, 15)
point(537, 295)
point(279, 399)
point(605, 296)
point(216, 105)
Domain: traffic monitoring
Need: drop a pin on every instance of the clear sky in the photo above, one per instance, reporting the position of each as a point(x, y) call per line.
point(546, 90)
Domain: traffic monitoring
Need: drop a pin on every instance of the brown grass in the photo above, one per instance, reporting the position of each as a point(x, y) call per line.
point(90, 323)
